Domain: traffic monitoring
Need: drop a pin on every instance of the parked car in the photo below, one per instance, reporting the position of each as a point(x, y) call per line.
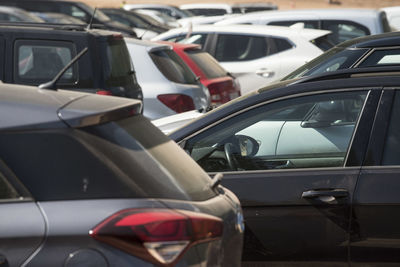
point(168, 84)
point(208, 9)
point(344, 24)
point(364, 52)
point(159, 17)
point(59, 18)
point(314, 163)
point(91, 182)
point(393, 16)
point(222, 86)
point(247, 7)
point(34, 54)
point(170, 10)
point(15, 14)
point(255, 55)
point(144, 26)
point(79, 10)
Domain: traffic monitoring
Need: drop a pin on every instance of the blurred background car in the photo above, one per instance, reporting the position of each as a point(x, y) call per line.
point(300, 155)
point(255, 54)
point(222, 86)
point(79, 10)
point(393, 16)
point(207, 9)
point(170, 10)
point(144, 26)
point(60, 18)
point(168, 84)
point(101, 186)
point(160, 17)
point(15, 14)
point(247, 7)
point(380, 50)
point(344, 24)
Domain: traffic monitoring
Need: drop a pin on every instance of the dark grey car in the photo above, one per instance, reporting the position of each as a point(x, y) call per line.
point(86, 180)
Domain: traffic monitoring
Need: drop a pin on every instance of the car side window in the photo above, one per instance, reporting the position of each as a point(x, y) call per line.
point(303, 132)
point(235, 47)
point(41, 61)
point(391, 148)
point(7, 191)
point(344, 30)
point(281, 44)
point(381, 58)
point(197, 38)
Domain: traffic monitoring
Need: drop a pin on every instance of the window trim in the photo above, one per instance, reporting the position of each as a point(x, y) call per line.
point(15, 183)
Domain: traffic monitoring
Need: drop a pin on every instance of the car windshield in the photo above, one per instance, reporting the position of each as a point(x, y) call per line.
point(211, 68)
point(332, 60)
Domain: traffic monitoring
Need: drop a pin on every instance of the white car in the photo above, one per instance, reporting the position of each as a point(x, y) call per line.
point(393, 16)
point(345, 24)
point(256, 55)
point(168, 84)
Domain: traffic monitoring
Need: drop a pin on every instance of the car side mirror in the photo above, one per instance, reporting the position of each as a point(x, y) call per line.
point(248, 145)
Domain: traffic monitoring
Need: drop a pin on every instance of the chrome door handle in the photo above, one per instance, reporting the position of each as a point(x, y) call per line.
point(336, 193)
point(265, 73)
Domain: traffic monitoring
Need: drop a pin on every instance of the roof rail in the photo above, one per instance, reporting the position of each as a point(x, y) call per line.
point(352, 73)
point(60, 26)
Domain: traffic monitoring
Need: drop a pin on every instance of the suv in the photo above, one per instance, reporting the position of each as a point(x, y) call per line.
point(33, 54)
point(75, 9)
point(85, 180)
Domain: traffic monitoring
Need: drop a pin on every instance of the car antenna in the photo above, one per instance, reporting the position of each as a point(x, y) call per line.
point(52, 84)
point(89, 26)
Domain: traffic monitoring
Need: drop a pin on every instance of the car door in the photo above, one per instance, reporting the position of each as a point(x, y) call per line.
point(375, 240)
point(22, 226)
point(294, 167)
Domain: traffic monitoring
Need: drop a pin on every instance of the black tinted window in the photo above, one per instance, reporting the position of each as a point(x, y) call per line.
point(6, 189)
point(126, 159)
point(381, 58)
point(173, 67)
point(281, 44)
point(211, 68)
point(344, 30)
point(207, 11)
point(392, 145)
point(240, 47)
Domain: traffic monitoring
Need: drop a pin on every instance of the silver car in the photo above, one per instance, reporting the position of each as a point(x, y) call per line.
point(86, 180)
point(169, 86)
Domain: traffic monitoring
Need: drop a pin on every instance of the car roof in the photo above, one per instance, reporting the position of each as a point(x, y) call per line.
point(28, 107)
point(250, 29)
point(389, 39)
point(373, 78)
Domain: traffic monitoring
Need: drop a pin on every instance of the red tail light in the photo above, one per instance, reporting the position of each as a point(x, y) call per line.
point(103, 92)
point(176, 102)
point(159, 236)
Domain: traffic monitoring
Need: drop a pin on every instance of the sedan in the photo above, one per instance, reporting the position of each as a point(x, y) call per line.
point(315, 165)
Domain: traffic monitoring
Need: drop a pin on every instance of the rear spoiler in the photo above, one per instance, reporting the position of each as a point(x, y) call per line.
point(94, 109)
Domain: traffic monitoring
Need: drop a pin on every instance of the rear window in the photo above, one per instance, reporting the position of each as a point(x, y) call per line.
point(118, 69)
point(125, 159)
point(211, 68)
point(173, 67)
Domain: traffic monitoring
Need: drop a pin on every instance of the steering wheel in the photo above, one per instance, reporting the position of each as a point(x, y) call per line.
point(228, 149)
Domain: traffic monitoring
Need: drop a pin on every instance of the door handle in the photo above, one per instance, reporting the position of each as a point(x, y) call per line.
point(3, 261)
point(265, 73)
point(336, 193)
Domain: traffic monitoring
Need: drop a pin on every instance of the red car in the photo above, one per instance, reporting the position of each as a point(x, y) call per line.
point(222, 86)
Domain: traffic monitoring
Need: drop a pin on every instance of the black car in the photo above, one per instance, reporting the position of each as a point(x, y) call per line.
point(315, 165)
point(135, 20)
point(377, 50)
point(76, 9)
point(33, 54)
point(86, 180)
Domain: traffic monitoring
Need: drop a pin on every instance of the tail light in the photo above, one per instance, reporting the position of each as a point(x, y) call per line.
point(218, 93)
point(159, 236)
point(177, 102)
point(103, 92)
